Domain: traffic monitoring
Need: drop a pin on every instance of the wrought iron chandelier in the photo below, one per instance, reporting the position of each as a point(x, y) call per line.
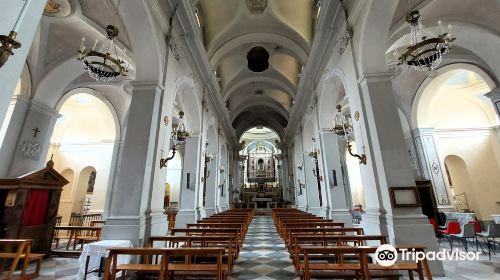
point(178, 136)
point(342, 126)
point(426, 50)
point(105, 61)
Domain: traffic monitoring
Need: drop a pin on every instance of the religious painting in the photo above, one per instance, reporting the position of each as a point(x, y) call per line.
point(91, 182)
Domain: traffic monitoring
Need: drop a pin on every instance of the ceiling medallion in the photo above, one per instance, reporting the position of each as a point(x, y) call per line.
point(256, 6)
point(258, 59)
point(425, 51)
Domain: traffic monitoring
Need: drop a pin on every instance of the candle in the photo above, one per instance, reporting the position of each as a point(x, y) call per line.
point(95, 44)
point(21, 15)
point(82, 45)
point(440, 23)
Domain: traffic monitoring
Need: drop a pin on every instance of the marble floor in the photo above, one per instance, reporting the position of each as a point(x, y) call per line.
point(264, 256)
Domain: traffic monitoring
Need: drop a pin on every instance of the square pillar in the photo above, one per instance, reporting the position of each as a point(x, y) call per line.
point(190, 187)
point(379, 134)
point(135, 207)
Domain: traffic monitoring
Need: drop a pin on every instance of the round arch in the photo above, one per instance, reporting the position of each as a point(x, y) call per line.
point(101, 98)
point(421, 105)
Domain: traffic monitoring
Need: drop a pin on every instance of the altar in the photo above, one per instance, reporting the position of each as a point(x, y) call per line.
point(256, 201)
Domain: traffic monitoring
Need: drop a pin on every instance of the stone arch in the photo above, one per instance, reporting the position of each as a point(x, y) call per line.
point(422, 102)
point(101, 97)
point(185, 92)
point(374, 35)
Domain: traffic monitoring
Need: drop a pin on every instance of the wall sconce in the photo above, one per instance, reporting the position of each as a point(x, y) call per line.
point(314, 154)
point(299, 166)
point(300, 187)
point(221, 187)
point(179, 135)
point(206, 172)
point(221, 169)
point(343, 128)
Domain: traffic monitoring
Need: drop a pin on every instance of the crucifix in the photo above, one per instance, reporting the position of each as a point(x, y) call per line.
point(36, 132)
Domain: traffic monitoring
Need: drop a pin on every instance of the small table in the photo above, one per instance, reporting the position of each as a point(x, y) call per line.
point(92, 257)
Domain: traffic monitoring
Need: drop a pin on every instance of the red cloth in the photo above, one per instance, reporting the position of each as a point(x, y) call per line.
point(35, 209)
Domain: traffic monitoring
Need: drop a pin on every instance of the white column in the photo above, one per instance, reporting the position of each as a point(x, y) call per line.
point(339, 191)
point(29, 151)
point(12, 132)
point(10, 13)
point(378, 133)
point(190, 187)
point(135, 208)
point(431, 167)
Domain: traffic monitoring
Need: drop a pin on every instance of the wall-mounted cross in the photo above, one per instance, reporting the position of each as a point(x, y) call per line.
point(36, 131)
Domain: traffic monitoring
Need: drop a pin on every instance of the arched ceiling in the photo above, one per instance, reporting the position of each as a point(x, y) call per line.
point(232, 30)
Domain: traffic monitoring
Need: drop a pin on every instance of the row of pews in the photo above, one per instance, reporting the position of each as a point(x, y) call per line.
point(321, 247)
point(208, 247)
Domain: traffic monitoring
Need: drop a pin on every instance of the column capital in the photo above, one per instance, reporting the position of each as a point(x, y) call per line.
point(374, 77)
point(44, 109)
point(420, 131)
point(145, 85)
point(494, 94)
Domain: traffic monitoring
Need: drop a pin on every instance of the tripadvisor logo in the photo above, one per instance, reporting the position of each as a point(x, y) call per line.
point(387, 255)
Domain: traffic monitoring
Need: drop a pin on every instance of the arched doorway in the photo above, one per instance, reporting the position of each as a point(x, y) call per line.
point(83, 140)
point(173, 181)
point(453, 110)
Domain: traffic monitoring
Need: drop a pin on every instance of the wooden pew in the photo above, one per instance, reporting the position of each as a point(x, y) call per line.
point(226, 242)
point(78, 233)
point(112, 267)
point(22, 251)
point(190, 267)
point(361, 268)
point(330, 240)
point(320, 231)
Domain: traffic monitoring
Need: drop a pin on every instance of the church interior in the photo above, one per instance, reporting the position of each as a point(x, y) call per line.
point(249, 139)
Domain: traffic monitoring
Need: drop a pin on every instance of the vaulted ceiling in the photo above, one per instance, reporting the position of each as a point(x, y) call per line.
point(257, 49)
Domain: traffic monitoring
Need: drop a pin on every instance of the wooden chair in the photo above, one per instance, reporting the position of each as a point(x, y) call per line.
point(22, 248)
point(113, 268)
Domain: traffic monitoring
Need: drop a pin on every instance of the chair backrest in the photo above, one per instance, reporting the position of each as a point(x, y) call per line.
point(433, 223)
point(453, 227)
point(477, 226)
point(494, 230)
point(469, 230)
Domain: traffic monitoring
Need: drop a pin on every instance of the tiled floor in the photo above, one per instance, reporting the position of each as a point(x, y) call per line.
point(264, 256)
